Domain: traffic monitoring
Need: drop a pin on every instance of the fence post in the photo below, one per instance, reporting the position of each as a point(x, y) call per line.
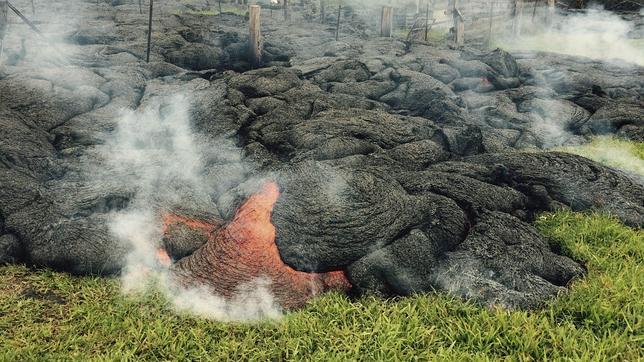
point(255, 38)
point(337, 25)
point(4, 23)
point(147, 56)
point(4, 18)
point(427, 23)
point(517, 15)
point(551, 12)
point(386, 21)
point(285, 7)
point(459, 28)
point(489, 31)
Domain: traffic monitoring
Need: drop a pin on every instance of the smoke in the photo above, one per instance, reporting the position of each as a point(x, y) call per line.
point(595, 33)
point(155, 151)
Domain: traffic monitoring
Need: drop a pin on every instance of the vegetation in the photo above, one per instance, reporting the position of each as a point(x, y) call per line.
point(46, 315)
point(621, 154)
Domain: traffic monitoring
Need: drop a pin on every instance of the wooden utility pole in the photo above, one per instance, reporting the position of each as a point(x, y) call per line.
point(147, 57)
point(255, 36)
point(141, 7)
point(220, 11)
point(386, 21)
point(516, 17)
point(33, 8)
point(337, 25)
point(322, 10)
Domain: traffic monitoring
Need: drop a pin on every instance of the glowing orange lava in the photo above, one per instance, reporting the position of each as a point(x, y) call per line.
point(163, 258)
point(207, 227)
point(245, 250)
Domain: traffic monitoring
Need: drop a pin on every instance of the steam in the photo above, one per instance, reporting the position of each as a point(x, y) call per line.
point(596, 33)
point(155, 151)
point(612, 152)
point(24, 46)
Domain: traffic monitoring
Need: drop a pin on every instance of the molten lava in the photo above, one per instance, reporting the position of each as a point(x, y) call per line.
point(202, 226)
point(245, 250)
point(163, 258)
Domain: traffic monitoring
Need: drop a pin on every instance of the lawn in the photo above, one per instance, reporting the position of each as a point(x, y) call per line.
point(51, 316)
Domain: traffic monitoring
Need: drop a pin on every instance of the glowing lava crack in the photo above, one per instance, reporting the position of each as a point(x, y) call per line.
point(244, 251)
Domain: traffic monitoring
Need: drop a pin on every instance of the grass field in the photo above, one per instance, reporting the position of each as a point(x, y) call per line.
point(52, 316)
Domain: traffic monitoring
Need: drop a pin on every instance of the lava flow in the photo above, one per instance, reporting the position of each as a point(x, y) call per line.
point(244, 250)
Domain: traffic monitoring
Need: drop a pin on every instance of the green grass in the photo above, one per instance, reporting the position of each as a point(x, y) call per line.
point(50, 316)
point(614, 152)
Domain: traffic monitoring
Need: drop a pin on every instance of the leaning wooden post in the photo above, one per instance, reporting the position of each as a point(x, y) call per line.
point(147, 57)
point(386, 21)
point(516, 19)
point(255, 37)
point(337, 25)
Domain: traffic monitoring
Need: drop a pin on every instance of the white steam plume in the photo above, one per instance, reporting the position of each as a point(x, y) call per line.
point(156, 151)
point(596, 33)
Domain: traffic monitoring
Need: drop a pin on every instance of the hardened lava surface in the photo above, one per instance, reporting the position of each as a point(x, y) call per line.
point(391, 169)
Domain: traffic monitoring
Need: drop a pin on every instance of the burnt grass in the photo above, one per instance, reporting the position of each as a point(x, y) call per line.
point(414, 168)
